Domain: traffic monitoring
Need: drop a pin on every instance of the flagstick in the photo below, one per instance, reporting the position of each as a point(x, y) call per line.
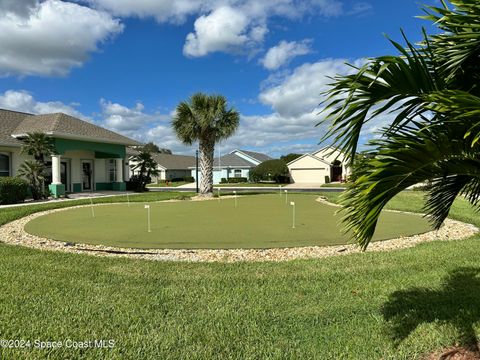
point(91, 205)
point(280, 189)
point(235, 198)
point(128, 198)
point(293, 215)
point(218, 194)
point(148, 217)
point(286, 197)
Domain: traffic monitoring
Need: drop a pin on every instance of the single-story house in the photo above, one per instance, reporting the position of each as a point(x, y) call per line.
point(236, 164)
point(322, 166)
point(170, 166)
point(87, 157)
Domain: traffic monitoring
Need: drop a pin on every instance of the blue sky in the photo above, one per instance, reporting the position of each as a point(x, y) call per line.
point(126, 64)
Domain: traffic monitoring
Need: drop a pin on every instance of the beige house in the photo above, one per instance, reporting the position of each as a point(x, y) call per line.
point(320, 167)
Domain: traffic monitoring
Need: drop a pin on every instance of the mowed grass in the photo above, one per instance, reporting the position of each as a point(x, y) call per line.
point(258, 221)
point(396, 305)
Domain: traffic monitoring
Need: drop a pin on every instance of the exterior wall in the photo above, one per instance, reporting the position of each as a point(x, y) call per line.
point(16, 158)
point(309, 170)
point(330, 156)
point(223, 173)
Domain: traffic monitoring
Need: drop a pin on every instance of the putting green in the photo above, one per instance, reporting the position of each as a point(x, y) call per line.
point(258, 221)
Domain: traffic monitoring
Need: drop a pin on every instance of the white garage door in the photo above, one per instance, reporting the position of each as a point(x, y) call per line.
point(316, 176)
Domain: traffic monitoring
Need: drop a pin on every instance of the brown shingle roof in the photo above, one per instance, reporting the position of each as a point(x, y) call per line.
point(62, 125)
point(9, 120)
point(174, 162)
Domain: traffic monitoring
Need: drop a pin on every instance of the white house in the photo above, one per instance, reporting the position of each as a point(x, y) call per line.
point(236, 164)
point(322, 166)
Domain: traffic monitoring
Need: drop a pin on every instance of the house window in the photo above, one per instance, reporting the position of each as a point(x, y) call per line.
point(238, 173)
point(4, 165)
point(112, 170)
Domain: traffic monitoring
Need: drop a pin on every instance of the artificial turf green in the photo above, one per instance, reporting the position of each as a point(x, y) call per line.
point(260, 221)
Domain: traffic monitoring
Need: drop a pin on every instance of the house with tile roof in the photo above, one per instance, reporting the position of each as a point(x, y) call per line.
point(87, 157)
point(236, 164)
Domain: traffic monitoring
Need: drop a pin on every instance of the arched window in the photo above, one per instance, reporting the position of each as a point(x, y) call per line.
point(4, 165)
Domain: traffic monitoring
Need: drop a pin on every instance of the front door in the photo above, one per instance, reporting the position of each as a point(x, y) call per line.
point(87, 175)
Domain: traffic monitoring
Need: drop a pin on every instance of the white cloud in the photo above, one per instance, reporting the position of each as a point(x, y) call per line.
point(52, 37)
point(23, 101)
point(18, 7)
point(285, 51)
point(225, 29)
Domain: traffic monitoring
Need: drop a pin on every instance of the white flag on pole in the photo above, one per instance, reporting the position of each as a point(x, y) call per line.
point(147, 206)
point(292, 203)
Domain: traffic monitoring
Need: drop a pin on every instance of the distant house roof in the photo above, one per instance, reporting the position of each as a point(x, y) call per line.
point(323, 161)
point(174, 162)
point(260, 157)
point(232, 160)
point(14, 125)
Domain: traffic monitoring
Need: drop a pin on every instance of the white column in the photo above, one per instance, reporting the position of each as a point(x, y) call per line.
point(56, 169)
point(119, 168)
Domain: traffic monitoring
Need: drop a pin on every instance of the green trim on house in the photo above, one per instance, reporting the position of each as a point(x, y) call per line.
point(102, 150)
point(57, 190)
point(119, 186)
point(77, 187)
point(102, 186)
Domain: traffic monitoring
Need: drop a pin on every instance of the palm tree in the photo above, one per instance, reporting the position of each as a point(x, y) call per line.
point(205, 118)
point(34, 172)
point(145, 166)
point(432, 91)
point(38, 145)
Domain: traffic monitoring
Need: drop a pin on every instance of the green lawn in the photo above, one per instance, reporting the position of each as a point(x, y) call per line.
point(260, 221)
point(250, 185)
point(396, 305)
point(170, 184)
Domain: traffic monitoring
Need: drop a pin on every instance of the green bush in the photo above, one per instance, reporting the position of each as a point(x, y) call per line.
point(236, 180)
point(12, 190)
point(189, 179)
point(270, 170)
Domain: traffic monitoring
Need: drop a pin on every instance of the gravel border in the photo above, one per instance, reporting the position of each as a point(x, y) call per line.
point(13, 233)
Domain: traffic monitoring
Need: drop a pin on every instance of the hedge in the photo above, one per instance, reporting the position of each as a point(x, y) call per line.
point(12, 190)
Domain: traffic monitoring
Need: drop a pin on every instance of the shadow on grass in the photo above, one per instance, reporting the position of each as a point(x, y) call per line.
point(457, 303)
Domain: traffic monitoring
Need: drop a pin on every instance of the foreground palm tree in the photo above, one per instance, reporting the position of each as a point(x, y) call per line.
point(34, 173)
point(145, 167)
point(206, 119)
point(432, 91)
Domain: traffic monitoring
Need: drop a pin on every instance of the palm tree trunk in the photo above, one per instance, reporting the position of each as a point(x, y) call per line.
point(206, 148)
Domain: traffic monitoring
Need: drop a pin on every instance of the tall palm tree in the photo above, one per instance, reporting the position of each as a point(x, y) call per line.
point(206, 119)
point(432, 91)
point(38, 145)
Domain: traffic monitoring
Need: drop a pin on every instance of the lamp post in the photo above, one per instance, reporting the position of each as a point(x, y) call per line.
point(196, 169)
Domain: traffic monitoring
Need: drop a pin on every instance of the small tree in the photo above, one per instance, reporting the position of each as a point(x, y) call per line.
point(270, 170)
point(290, 157)
point(39, 146)
point(145, 166)
point(34, 172)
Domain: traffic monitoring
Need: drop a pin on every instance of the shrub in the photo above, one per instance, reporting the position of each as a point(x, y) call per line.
point(223, 181)
point(12, 190)
point(236, 180)
point(136, 183)
point(189, 179)
point(269, 170)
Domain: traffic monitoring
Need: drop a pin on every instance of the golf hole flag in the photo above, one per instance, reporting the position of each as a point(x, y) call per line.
point(147, 206)
point(292, 203)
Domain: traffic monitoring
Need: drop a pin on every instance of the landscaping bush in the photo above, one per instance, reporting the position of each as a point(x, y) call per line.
point(136, 183)
point(270, 170)
point(236, 180)
point(12, 190)
point(189, 179)
point(223, 181)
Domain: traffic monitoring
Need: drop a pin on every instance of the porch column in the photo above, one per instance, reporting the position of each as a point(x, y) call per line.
point(56, 187)
point(56, 175)
point(119, 184)
point(119, 168)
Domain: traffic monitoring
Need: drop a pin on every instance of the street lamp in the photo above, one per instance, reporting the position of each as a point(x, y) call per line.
point(196, 169)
